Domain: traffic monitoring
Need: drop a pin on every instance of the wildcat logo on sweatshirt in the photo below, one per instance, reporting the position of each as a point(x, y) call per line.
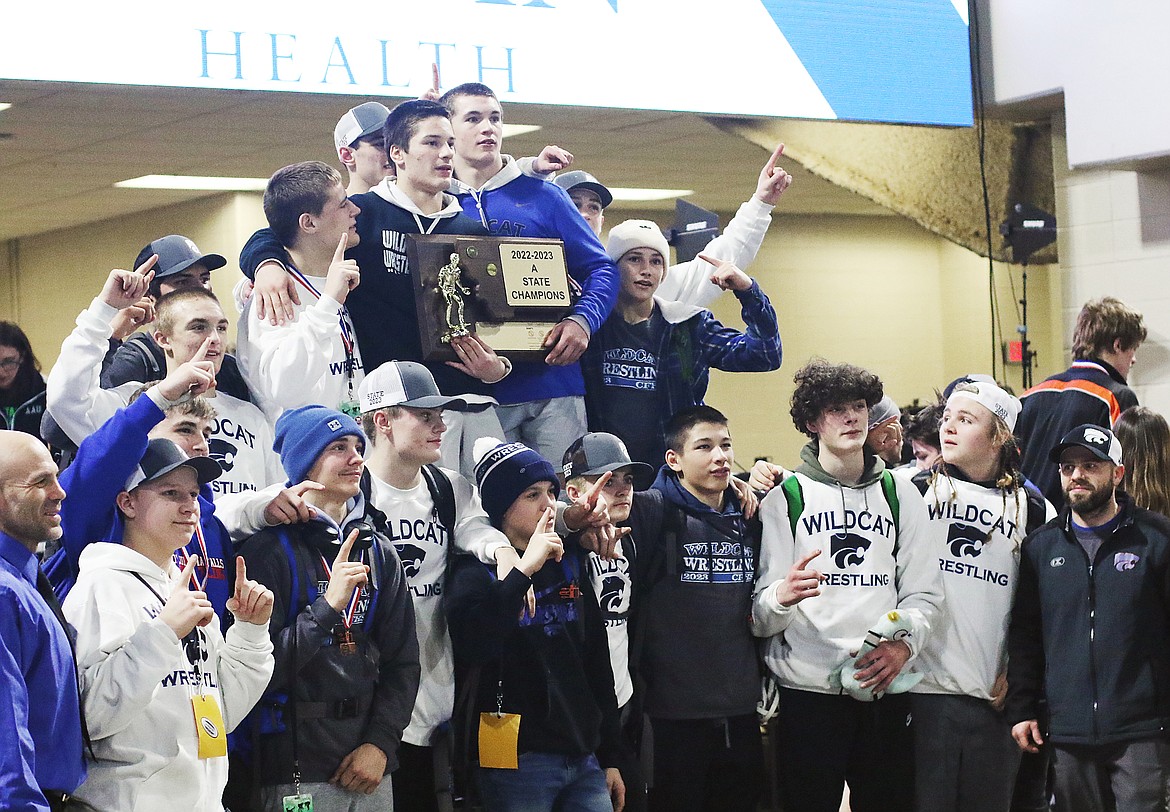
point(965, 540)
point(412, 557)
point(848, 549)
point(611, 583)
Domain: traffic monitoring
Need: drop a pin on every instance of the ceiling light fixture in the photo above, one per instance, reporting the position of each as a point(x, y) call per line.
point(195, 183)
point(633, 195)
point(511, 130)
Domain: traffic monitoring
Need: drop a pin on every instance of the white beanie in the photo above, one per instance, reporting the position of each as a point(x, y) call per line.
point(637, 234)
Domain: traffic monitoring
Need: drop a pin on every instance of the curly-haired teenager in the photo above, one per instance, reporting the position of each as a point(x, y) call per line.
point(844, 542)
point(965, 758)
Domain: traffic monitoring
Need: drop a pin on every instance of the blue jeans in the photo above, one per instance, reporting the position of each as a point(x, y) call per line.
point(546, 782)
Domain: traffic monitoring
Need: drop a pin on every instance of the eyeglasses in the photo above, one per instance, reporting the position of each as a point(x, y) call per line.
point(1089, 467)
point(11, 363)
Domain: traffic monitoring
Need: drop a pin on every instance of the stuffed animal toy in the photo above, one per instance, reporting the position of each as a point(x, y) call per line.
point(891, 626)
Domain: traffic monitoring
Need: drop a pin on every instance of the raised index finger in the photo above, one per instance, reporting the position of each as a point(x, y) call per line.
point(339, 254)
point(803, 563)
point(597, 487)
point(185, 575)
point(241, 572)
point(435, 77)
point(201, 353)
point(768, 167)
point(146, 266)
point(346, 548)
point(547, 518)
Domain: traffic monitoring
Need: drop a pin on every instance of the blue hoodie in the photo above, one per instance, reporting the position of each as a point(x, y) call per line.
point(104, 462)
point(514, 205)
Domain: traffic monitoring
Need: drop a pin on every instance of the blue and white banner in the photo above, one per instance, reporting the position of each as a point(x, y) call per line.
point(866, 60)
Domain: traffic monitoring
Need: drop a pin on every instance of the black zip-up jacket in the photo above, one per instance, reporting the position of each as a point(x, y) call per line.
point(343, 700)
point(1094, 637)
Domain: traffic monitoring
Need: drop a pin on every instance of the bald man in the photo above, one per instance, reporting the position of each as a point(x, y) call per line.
point(40, 761)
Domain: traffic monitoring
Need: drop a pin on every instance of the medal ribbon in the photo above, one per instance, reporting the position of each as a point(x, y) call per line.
point(181, 560)
point(347, 341)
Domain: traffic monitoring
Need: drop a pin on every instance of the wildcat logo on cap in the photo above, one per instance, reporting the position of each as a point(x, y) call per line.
point(1096, 437)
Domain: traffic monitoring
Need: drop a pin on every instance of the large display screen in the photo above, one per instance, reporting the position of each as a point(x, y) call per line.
point(863, 60)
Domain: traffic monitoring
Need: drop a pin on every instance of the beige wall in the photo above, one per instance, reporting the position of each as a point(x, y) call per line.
point(55, 275)
point(878, 291)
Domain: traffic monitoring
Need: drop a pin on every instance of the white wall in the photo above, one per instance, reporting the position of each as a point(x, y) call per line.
point(1109, 59)
point(1114, 239)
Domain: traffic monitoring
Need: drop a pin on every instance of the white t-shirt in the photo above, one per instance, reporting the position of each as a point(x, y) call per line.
point(418, 535)
point(611, 584)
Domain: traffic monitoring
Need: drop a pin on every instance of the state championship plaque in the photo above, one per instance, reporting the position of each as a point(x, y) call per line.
point(509, 291)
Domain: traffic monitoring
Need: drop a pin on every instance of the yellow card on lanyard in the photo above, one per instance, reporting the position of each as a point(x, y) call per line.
point(209, 726)
point(499, 740)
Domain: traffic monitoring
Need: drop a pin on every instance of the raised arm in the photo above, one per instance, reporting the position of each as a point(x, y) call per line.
point(74, 396)
point(690, 282)
point(289, 364)
point(758, 348)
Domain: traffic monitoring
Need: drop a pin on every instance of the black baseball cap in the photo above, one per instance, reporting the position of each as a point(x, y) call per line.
point(177, 253)
point(163, 456)
point(599, 452)
point(1099, 441)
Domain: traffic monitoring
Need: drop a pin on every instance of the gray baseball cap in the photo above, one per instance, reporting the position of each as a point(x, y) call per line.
point(365, 119)
point(407, 383)
point(598, 452)
point(578, 179)
point(177, 253)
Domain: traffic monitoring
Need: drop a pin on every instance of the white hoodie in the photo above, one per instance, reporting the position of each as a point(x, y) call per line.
point(303, 361)
point(978, 553)
point(690, 282)
point(137, 682)
point(241, 436)
point(872, 564)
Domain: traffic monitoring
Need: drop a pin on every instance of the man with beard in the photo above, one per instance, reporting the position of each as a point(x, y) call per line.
point(1091, 611)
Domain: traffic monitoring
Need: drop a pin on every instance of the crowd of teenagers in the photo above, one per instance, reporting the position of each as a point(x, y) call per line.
point(325, 573)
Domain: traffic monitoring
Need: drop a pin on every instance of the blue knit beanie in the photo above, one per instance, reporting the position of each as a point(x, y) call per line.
point(302, 434)
point(506, 470)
